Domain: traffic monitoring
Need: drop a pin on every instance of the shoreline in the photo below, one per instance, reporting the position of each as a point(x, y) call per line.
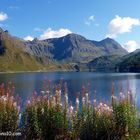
point(10, 72)
point(49, 71)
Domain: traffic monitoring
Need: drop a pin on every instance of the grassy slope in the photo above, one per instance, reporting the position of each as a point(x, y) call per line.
point(104, 62)
point(15, 59)
point(131, 63)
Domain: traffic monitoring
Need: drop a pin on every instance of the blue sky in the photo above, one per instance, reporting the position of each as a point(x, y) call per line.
point(94, 19)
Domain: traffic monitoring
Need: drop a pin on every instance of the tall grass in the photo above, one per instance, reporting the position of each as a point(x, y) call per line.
point(9, 109)
point(51, 115)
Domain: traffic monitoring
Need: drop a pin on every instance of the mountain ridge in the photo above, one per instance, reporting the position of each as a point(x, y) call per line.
point(66, 52)
point(77, 48)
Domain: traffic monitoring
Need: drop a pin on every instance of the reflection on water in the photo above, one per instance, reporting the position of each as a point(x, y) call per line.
point(26, 83)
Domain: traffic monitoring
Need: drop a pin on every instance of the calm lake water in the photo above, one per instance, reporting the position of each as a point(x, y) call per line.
point(26, 83)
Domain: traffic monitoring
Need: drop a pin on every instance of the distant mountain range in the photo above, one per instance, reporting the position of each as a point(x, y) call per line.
point(74, 48)
point(71, 52)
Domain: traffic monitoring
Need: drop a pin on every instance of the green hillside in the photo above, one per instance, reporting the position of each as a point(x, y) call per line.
point(131, 63)
point(14, 57)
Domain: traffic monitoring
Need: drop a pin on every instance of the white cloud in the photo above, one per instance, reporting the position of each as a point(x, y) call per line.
point(49, 33)
point(90, 20)
point(3, 16)
point(131, 46)
point(28, 38)
point(120, 25)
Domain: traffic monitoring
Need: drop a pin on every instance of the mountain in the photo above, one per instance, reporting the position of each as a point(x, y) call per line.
point(130, 63)
point(71, 52)
point(104, 63)
point(12, 54)
point(110, 47)
point(126, 63)
point(74, 48)
point(14, 57)
point(136, 51)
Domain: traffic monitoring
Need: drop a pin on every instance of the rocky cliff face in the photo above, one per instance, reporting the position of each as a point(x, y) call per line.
point(74, 48)
point(110, 47)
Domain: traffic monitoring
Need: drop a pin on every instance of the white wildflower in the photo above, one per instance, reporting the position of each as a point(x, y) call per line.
point(43, 92)
point(42, 110)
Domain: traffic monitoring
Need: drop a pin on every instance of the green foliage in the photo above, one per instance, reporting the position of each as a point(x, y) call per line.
point(40, 121)
point(9, 110)
point(8, 118)
point(47, 116)
point(130, 63)
point(125, 118)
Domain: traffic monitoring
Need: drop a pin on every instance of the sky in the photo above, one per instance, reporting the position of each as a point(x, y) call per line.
point(94, 19)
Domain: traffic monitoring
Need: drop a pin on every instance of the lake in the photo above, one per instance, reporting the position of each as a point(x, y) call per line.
point(26, 83)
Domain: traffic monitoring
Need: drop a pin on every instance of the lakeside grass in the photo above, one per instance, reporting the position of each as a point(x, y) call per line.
point(49, 116)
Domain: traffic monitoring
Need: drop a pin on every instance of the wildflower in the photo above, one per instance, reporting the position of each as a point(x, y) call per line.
point(113, 97)
point(58, 95)
point(18, 109)
point(4, 98)
point(88, 103)
point(86, 95)
point(12, 98)
point(99, 112)
point(94, 101)
point(77, 104)
point(47, 91)
point(28, 102)
point(38, 99)
point(50, 96)
point(95, 108)
point(83, 101)
point(123, 96)
point(101, 104)
point(128, 92)
point(20, 117)
point(77, 101)
point(15, 104)
point(60, 104)
point(66, 98)
point(105, 105)
point(71, 110)
point(43, 92)
point(108, 108)
point(42, 110)
point(65, 101)
point(121, 93)
point(2, 85)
